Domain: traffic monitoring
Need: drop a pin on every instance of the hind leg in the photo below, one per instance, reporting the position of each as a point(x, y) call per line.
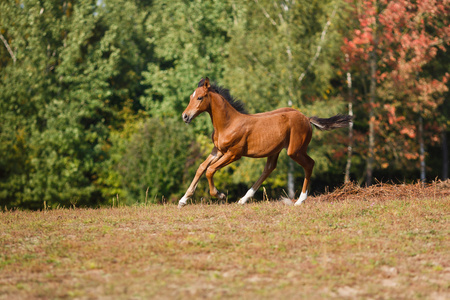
point(270, 166)
point(308, 164)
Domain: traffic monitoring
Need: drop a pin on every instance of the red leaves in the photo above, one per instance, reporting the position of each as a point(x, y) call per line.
point(409, 131)
point(406, 36)
point(399, 31)
point(363, 38)
point(392, 118)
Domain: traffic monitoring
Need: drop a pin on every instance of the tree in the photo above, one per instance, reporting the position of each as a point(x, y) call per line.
point(395, 40)
point(155, 164)
point(281, 54)
point(59, 100)
point(189, 40)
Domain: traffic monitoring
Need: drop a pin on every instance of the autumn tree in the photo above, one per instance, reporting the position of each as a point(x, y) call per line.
point(390, 47)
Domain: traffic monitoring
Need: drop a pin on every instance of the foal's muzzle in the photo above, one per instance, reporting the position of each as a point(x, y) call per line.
point(186, 118)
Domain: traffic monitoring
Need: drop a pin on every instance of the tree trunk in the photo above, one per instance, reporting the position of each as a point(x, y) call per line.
point(350, 130)
point(372, 96)
point(444, 154)
point(5, 42)
point(422, 151)
point(290, 179)
point(350, 146)
point(290, 175)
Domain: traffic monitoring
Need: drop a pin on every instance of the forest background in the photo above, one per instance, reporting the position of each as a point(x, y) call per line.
point(91, 93)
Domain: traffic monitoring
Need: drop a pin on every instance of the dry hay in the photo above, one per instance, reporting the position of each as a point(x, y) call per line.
point(386, 191)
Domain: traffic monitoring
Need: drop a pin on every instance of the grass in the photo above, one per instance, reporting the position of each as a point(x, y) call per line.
point(352, 243)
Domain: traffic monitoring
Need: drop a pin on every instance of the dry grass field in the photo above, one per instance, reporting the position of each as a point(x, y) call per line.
point(382, 242)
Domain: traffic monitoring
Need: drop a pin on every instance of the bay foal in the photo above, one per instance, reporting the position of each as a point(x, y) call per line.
point(238, 134)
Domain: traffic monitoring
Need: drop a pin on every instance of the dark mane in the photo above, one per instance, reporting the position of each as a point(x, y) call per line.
point(225, 93)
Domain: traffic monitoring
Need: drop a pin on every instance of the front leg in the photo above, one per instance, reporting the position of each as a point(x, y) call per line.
point(225, 160)
point(214, 156)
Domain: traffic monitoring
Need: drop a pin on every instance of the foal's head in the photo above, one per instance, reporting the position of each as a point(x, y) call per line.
point(200, 101)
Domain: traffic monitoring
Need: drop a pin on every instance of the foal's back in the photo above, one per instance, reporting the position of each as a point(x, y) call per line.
point(269, 132)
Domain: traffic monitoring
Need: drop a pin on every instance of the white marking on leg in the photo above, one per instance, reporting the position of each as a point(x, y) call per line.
point(250, 193)
point(183, 201)
point(302, 198)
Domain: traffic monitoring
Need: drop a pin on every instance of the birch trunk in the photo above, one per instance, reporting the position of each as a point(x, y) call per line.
point(350, 130)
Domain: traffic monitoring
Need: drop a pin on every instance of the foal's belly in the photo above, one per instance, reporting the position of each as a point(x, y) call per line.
point(268, 136)
point(264, 145)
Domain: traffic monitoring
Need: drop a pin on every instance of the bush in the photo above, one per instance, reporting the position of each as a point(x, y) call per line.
point(157, 157)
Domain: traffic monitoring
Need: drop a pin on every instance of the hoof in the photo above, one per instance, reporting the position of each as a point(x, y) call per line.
point(299, 202)
point(250, 194)
point(222, 197)
point(183, 201)
point(243, 200)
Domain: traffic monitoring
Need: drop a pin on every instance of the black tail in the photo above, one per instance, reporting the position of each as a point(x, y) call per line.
point(337, 121)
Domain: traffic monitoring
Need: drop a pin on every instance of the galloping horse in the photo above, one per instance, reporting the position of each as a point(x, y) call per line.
point(238, 134)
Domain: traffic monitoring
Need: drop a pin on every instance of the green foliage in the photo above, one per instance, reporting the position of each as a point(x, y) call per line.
point(157, 159)
point(91, 93)
point(58, 100)
point(190, 40)
point(272, 45)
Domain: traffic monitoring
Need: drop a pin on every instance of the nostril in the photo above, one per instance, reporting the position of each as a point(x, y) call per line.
point(184, 116)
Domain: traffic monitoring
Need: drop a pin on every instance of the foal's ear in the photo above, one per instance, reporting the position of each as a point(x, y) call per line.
point(206, 84)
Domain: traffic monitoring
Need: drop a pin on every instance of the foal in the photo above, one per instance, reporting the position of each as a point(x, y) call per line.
point(238, 134)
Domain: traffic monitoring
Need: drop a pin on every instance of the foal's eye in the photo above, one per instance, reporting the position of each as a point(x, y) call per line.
point(200, 98)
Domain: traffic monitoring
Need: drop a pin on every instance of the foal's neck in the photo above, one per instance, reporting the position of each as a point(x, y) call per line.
point(221, 112)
